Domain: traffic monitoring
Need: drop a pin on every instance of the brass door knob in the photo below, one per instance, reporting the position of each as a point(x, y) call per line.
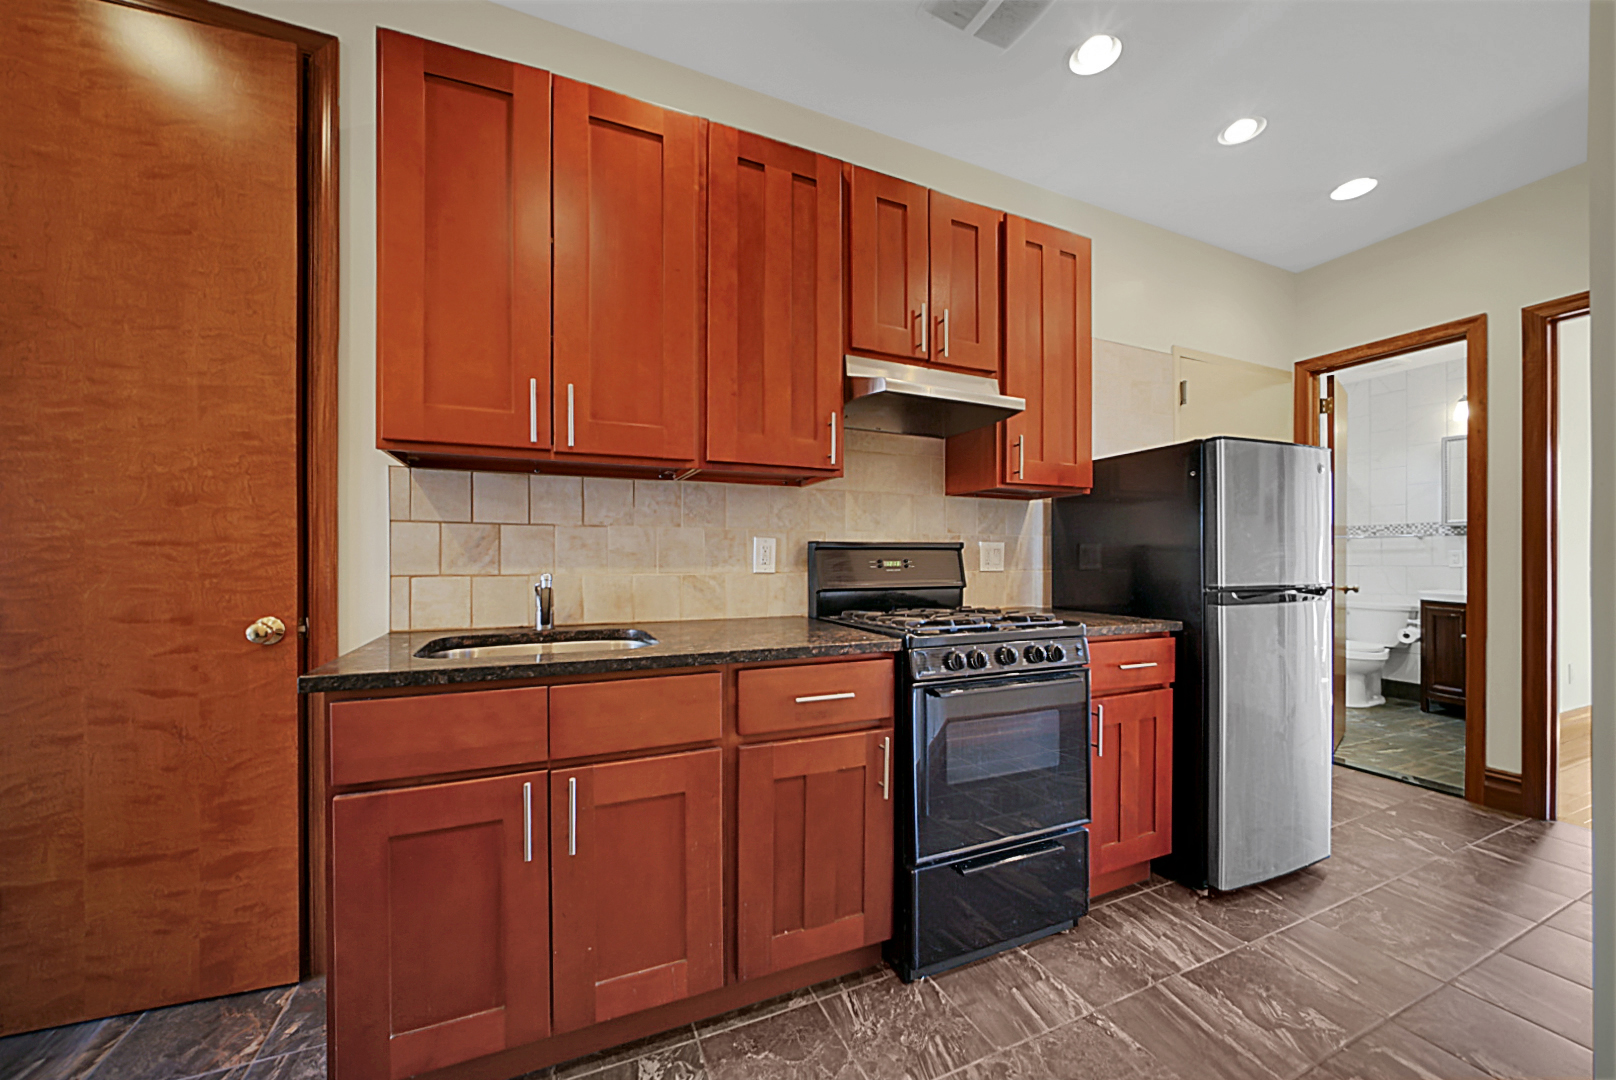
point(266, 631)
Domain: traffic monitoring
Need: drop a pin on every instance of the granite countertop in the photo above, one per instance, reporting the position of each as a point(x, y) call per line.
point(390, 660)
point(1116, 625)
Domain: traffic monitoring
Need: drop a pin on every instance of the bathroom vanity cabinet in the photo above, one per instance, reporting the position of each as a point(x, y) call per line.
point(1442, 654)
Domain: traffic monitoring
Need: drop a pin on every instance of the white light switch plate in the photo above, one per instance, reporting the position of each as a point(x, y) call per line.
point(762, 554)
point(1456, 558)
point(992, 554)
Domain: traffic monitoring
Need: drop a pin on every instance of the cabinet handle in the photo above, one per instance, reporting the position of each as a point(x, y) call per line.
point(925, 329)
point(1021, 459)
point(833, 438)
point(572, 815)
point(1099, 713)
point(843, 696)
point(1135, 667)
point(945, 331)
point(571, 428)
point(886, 768)
point(533, 410)
point(527, 822)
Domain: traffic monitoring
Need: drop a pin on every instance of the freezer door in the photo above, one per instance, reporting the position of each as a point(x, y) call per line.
point(1268, 703)
point(1267, 513)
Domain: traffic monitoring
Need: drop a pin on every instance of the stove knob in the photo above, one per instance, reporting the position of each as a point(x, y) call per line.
point(1034, 654)
point(953, 661)
point(1005, 655)
point(978, 659)
point(1055, 654)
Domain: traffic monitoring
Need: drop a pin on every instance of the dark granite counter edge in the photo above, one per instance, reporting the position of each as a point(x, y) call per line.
point(1100, 625)
point(451, 673)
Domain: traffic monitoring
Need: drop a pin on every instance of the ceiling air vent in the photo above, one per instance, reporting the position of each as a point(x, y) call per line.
point(998, 22)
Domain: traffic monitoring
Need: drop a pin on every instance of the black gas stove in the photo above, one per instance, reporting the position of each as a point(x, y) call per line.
point(993, 731)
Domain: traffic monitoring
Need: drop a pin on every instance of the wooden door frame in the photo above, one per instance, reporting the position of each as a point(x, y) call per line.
point(318, 306)
point(1491, 787)
point(1540, 526)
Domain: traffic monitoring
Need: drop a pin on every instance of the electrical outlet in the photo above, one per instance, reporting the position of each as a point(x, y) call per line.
point(992, 554)
point(762, 554)
point(1456, 557)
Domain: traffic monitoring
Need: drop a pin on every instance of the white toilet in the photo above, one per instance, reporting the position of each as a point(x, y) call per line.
point(1372, 629)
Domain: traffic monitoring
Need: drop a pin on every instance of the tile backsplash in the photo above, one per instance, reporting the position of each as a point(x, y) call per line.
point(466, 547)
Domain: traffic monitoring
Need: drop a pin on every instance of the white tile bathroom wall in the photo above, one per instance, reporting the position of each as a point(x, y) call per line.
point(467, 547)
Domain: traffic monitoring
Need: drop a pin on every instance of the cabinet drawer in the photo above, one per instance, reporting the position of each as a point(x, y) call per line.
point(1118, 666)
point(635, 714)
point(813, 696)
point(397, 738)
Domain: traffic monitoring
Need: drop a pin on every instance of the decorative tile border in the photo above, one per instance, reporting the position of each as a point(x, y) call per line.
point(1402, 530)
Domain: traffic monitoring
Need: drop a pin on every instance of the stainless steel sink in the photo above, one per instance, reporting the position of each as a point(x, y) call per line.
point(523, 644)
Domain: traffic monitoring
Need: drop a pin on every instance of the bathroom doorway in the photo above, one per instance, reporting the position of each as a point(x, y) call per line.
point(1555, 549)
point(1405, 423)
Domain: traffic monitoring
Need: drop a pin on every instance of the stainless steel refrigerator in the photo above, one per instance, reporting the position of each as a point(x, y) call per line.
point(1232, 537)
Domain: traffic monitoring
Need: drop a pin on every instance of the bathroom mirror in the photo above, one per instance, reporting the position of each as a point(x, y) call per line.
point(1455, 459)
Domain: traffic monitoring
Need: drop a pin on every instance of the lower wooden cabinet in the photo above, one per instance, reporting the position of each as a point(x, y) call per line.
point(1442, 654)
point(440, 928)
point(636, 852)
point(814, 849)
point(1132, 781)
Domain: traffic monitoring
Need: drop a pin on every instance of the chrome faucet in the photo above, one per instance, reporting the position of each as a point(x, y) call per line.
point(543, 606)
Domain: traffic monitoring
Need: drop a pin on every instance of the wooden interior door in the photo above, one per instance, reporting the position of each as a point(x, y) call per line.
point(463, 247)
point(636, 853)
point(149, 834)
point(814, 849)
point(965, 284)
point(627, 288)
point(774, 302)
point(888, 298)
point(440, 928)
point(1132, 780)
point(1048, 356)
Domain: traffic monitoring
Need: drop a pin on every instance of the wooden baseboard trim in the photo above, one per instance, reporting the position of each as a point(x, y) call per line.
point(1503, 791)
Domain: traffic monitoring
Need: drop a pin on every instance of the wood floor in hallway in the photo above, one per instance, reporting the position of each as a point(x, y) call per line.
point(1574, 799)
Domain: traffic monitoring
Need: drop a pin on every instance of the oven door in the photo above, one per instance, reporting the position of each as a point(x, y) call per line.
point(997, 760)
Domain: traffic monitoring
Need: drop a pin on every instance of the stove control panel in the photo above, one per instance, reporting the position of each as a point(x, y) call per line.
point(945, 661)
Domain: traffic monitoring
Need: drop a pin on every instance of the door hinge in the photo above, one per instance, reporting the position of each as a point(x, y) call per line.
point(1183, 392)
point(1327, 405)
point(303, 627)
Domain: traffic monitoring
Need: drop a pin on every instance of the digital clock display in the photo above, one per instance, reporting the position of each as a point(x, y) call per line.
point(892, 564)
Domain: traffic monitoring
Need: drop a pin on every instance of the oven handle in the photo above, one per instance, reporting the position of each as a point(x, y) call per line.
point(1065, 676)
point(1048, 847)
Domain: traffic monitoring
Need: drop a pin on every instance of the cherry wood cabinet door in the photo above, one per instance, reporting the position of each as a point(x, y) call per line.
point(814, 849)
point(1048, 357)
point(627, 261)
point(636, 882)
point(440, 927)
point(888, 285)
point(1132, 780)
point(965, 284)
point(774, 302)
point(463, 247)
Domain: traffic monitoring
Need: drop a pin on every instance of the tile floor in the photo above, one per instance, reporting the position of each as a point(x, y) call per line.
point(1440, 941)
point(1399, 741)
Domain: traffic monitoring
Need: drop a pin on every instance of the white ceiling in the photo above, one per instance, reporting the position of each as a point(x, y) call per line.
point(1447, 102)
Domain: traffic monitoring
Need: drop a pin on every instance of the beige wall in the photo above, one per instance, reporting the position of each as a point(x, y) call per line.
point(1152, 288)
point(1521, 248)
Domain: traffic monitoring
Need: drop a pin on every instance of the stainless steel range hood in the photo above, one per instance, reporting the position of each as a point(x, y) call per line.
point(884, 395)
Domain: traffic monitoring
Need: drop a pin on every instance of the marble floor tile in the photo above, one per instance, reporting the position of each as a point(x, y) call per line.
point(1564, 1007)
point(62, 1053)
point(1245, 913)
point(1009, 997)
point(1348, 967)
point(1323, 885)
point(1166, 931)
point(1195, 1036)
point(1566, 955)
point(1520, 843)
point(1383, 846)
point(1392, 1052)
point(796, 1043)
point(681, 1062)
point(1577, 920)
point(1088, 1049)
point(305, 1064)
point(1440, 934)
point(1098, 964)
point(195, 1038)
point(1378, 791)
point(905, 1032)
point(749, 1013)
point(1494, 1040)
point(651, 1046)
point(1488, 878)
point(301, 1024)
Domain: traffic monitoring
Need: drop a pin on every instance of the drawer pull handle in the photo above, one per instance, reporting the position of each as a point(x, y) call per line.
point(846, 695)
point(1048, 847)
point(572, 815)
point(1099, 714)
point(886, 767)
point(1135, 667)
point(527, 822)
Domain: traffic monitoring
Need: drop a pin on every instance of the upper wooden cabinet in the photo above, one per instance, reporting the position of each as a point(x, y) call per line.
point(1048, 360)
point(627, 271)
point(463, 247)
point(964, 284)
point(774, 303)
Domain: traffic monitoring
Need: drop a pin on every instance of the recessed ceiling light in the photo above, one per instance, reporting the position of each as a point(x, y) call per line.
point(1242, 130)
point(1354, 188)
point(1095, 55)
